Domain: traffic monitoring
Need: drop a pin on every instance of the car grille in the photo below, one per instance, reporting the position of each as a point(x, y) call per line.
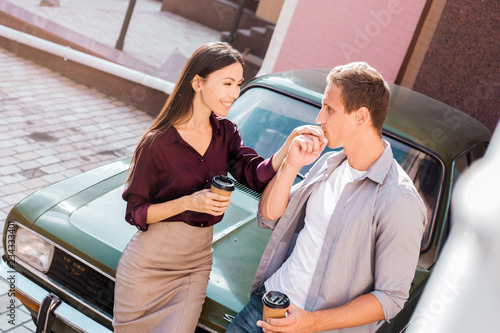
point(82, 280)
point(246, 189)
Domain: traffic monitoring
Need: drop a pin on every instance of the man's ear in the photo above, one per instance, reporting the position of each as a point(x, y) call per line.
point(196, 83)
point(362, 116)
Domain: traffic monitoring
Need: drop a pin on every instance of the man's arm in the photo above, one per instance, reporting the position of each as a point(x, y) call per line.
point(360, 311)
point(303, 150)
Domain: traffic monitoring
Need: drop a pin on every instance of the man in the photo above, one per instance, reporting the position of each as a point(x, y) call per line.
point(346, 239)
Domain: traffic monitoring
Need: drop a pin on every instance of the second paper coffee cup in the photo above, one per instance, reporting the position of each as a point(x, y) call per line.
point(274, 304)
point(222, 185)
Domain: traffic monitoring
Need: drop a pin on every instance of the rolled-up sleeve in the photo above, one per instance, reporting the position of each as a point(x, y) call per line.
point(397, 250)
point(265, 223)
point(138, 193)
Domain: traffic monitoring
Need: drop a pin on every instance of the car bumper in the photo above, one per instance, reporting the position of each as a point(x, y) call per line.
point(32, 295)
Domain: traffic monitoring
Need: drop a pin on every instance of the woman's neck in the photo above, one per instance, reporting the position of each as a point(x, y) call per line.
point(199, 121)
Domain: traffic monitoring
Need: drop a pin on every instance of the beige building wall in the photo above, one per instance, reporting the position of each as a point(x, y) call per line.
point(269, 10)
point(423, 42)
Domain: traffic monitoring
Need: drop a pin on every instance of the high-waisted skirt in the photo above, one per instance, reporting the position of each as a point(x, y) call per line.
point(162, 278)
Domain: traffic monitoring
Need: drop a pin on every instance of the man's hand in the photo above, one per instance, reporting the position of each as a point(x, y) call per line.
point(297, 321)
point(362, 310)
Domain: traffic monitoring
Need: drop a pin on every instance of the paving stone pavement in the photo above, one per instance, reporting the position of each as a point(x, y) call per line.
point(52, 128)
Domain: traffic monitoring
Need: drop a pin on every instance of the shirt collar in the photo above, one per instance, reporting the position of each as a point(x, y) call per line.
point(214, 120)
point(171, 134)
point(377, 172)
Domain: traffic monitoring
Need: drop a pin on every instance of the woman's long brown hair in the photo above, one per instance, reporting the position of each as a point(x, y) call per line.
point(207, 59)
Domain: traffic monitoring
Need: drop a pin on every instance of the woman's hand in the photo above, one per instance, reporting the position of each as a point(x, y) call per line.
point(304, 150)
point(207, 202)
point(310, 130)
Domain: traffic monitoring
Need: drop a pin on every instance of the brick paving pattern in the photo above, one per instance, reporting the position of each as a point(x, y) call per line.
point(52, 128)
point(162, 41)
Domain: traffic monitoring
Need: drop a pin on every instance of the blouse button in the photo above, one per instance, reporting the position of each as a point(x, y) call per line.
point(206, 181)
point(201, 160)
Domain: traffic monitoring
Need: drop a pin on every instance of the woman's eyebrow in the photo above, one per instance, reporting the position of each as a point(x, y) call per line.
point(232, 79)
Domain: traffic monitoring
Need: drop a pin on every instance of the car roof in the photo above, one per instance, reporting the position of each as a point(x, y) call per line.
point(412, 116)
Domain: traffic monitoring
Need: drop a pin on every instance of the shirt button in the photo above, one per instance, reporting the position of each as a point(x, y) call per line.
point(206, 181)
point(202, 160)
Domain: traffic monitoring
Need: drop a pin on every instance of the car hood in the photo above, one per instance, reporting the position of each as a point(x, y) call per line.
point(88, 221)
point(238, 246)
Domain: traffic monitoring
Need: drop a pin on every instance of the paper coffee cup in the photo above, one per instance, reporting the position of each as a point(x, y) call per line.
point(222, 185)
point(274, 304)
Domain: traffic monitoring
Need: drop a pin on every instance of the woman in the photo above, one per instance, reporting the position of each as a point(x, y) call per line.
point(163, 273)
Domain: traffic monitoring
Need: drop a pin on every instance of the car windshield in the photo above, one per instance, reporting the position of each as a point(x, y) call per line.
point(265, 119)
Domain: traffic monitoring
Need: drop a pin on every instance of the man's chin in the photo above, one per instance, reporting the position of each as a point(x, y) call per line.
point(333, 145)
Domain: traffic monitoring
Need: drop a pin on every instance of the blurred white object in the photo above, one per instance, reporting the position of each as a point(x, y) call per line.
point(463, 292)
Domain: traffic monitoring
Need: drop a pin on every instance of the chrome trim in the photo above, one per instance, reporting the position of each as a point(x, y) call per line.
point(66, 313)
point(379, 325)
point(66, 251)
point(56, 285)
point(228, 317)
point(65, 291)
point(206, 328)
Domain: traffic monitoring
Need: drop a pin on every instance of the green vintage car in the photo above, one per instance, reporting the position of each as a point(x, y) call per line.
point(65, 241)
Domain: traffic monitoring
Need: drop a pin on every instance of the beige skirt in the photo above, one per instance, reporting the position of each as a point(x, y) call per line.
point(162, 278)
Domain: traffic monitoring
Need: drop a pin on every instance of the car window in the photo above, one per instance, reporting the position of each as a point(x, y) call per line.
point(426, 173)
point(265, 119)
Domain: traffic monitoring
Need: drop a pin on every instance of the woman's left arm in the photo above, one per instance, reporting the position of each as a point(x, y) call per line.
point(249, 168)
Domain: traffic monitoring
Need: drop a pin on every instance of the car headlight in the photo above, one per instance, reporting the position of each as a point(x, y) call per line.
point(33, 249)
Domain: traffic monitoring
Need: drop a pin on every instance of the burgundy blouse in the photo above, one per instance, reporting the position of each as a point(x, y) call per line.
point(170, 168)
